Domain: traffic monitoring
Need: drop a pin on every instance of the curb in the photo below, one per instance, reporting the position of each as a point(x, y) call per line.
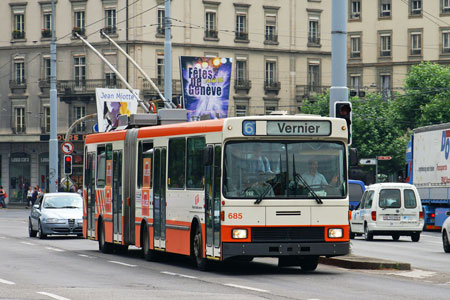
point(361, 262)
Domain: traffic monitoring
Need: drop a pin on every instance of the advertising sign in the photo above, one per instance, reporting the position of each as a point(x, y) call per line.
point(111, 103)
point(206, 86)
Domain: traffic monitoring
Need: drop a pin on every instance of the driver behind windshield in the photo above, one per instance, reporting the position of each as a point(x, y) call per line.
point(314, 178)
point(260, 187)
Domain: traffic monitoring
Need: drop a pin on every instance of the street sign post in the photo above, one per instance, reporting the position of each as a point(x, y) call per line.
point(368, 161)
point(384, 158)
point(67, 148)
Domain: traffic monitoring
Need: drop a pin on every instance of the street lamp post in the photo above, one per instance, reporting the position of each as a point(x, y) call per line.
point(53, 143)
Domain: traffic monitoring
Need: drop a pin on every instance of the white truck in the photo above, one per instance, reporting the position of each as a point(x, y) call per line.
point(428, 168)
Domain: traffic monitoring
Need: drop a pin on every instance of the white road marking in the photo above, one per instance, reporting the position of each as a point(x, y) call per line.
point(6, 282)
point(26, 243)
point(121, 263)
point(180, 275)
point(85, 256)
point(246, 287)
point(420, 274)
point(3, 238)
point(53, 296)
point(54, 249)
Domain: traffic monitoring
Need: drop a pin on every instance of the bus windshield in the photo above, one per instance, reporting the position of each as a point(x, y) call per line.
point(284, 170)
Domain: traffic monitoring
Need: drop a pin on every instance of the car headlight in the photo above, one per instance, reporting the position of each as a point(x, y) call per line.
point(80, 222)
point(54, 221)
point(239, 233)
point(335, 233)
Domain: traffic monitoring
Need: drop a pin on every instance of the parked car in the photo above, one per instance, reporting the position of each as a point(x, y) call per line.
point(56, 214)
point(356, 189)
point(388, 209)
point(446, 233)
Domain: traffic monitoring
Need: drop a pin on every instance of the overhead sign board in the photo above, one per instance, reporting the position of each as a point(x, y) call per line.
point(67, 147)
point(298, 128)
point(368, 161)
point(384, 158)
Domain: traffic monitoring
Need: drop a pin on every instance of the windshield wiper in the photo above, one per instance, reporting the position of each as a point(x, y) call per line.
point(70, 207)
point(300, 180)
point(263, 194)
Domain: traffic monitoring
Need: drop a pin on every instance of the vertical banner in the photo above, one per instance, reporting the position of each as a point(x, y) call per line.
point(206, 86)
point(111, 103)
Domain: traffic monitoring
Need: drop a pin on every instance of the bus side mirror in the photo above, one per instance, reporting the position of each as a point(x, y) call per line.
point(208, 156)
point(353, 157)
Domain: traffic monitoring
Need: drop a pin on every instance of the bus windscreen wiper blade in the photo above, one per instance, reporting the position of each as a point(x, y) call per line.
point(300, 180)
point(263, 194)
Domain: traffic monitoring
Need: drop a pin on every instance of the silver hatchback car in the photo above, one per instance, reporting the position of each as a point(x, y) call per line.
point(56, 214)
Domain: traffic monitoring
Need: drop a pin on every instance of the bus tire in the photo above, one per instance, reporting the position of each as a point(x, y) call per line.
point(200, 261)
point(103, 246)
point(147, 253)
point(395, 236)
point(309, 263)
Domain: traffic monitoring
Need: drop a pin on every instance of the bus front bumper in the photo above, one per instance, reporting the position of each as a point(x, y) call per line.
point(284, 249)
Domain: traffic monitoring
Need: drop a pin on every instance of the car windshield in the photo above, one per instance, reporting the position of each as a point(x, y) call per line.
point(283, 170)
point(63, 201)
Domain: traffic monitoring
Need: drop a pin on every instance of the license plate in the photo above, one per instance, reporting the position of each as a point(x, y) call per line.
point(391, 218)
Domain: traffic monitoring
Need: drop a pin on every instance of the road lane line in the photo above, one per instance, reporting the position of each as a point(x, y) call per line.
point(53, 296)
point(6, 282)
point(85, 256)
point(121, 263)
point(26, 243)
point(246, 287)
point(420, 274)
point(54, 249)
point(180, 275)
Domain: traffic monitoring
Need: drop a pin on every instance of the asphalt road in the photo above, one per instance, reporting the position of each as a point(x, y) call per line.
point(71, 268)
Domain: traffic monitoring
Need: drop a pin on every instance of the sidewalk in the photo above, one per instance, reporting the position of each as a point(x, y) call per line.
point(362, 262)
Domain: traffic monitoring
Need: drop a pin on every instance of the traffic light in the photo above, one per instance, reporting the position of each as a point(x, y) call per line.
point(343, 109)
point(67, 164)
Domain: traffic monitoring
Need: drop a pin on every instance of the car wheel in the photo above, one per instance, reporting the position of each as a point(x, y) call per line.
point(395, 237)
point(103, 246)
point(41, 233)
point(445, 242)
point(368, 235)
point(202, 263)
point(309, 263)
point(415, 237)
point(31, 232)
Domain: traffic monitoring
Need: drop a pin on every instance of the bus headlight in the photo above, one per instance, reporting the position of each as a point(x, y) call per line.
point(335, 233)
point(239, 233)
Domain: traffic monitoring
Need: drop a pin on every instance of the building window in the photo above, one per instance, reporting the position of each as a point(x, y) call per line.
point(269, 109)
point(110, 21)
point(161, 21)
point(241, 110)
point(79, 112)
point(445, 6)
point(415, 7)
point(271, 28)
point(46, 119)
point(416, 43)
point(47, 69)
point(355, 9)
point(241, 27)
point(19, 26)
point(385, 8)
point(47, 26)
point(160, 70)
point(79, 22)
point(210, 26)
point(355, 43)
point(313, 32)
point(271, 72)
point(241, 72)
point(79, 63)
point(385, 81)
point(19, 72)
point(355, 82)
point(314, 77)
point(111, 79)
point(385, 45)
point(446, 42)
point(19, 113)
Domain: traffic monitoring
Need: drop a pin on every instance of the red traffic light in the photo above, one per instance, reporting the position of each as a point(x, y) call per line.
point(68, 158)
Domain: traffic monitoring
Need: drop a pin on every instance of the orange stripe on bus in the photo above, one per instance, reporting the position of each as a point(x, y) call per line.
point(106, 137)
point(181, 128)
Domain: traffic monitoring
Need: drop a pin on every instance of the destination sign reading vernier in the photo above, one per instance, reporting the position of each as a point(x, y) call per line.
point(298, 128)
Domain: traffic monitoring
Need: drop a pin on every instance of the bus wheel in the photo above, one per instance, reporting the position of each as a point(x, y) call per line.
point(309, 263)
point(395, 236)
point(147, 253)
point(202, 263)
point(103, 246)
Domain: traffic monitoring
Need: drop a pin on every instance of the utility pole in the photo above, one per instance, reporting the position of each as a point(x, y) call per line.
point(53, 143)
point(167, 53)
point(338, 90)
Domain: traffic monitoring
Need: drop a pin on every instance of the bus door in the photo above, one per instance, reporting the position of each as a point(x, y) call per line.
point(117, 196)
point(212, 201)
point(90, 194)
point(159, 198)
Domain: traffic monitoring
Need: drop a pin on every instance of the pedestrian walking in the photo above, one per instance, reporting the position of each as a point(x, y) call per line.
point(29, 196)
point(3, 197)
point(34, 196)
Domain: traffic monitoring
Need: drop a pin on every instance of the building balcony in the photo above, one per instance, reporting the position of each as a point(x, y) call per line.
point(110, 30)
point(160, 30)
point(18, 129)
point(80, 31)
point(242, 85)
point(17, 34)
point(309, 91)
point(241, 36)
point(83, 89)
point(211, 34)
point(18, 86)
point(44, 85)
point(385, 53)
point(149, 91)
point(416, 51)
point(272, 87)
point(271, 38)
point(46, 33)
point(314, 39)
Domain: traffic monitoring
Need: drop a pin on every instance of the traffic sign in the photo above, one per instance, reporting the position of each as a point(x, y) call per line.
point(368, 161)
point(384, 158)
point(67, 147)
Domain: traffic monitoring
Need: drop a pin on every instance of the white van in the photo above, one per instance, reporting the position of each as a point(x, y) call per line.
point(391, 209)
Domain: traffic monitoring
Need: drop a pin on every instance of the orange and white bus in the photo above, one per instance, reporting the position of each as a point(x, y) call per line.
point(240, 187)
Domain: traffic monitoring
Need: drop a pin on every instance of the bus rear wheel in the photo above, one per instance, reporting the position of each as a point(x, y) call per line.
point(201, 262)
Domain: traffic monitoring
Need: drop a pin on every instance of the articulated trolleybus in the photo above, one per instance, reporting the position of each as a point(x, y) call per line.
point(235, 188)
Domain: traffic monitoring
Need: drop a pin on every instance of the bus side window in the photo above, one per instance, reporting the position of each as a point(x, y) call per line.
point(101, 166)
point(194, 166)
point(177, 163)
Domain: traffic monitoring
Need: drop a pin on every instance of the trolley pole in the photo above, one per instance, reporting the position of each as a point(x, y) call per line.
point(53, 143)
point(338, 90)
point(167, 54)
